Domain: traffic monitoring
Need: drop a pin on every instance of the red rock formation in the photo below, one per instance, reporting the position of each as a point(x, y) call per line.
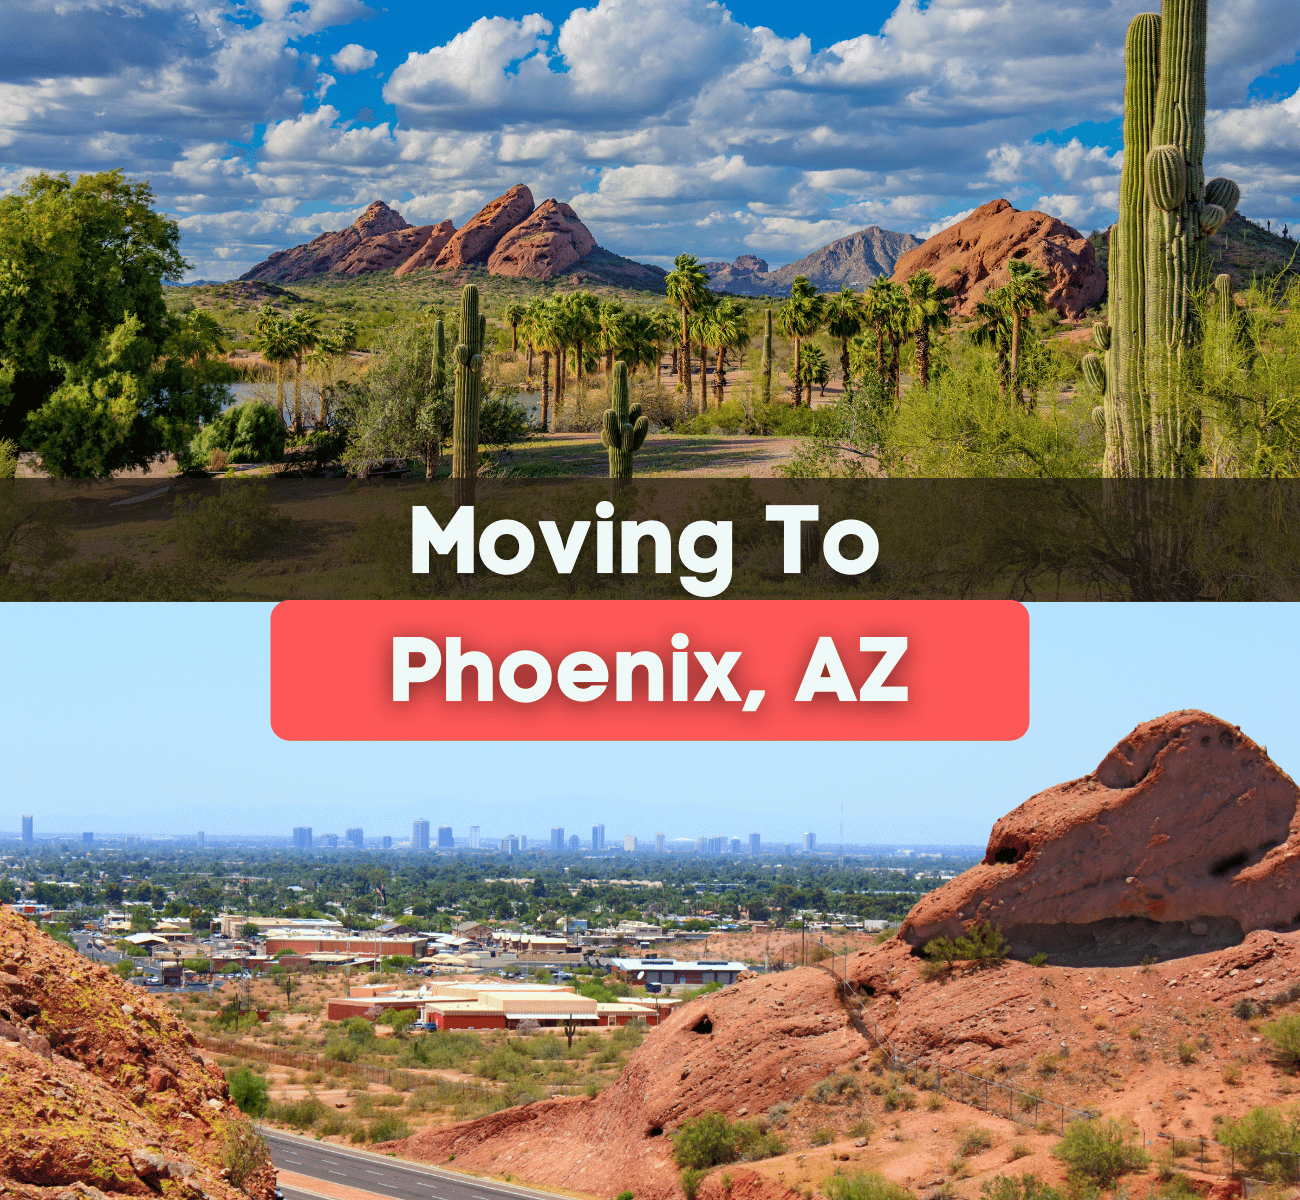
point(428, 253)
point(547, 244)
point(1185, 838)
point(971, 257)
point(474, 241)
point(386, 250)
point(104, 1088)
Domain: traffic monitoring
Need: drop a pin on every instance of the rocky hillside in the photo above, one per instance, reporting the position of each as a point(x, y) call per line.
point(104, 1091)
point(854, 260)
point(970, 258)
point(506, 237)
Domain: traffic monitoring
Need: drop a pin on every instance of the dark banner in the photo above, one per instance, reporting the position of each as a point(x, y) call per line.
point(281, 538)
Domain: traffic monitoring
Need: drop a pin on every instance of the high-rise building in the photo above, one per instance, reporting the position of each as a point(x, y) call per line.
point(330, 841)
point(629, 843)
point(510, 844)
point(203, 839)
point(473, 837)
point(557, 837)
point(716, 845)
point(523, 841)
point(810, 841)
point(597, 837)
point(445, 840)
point(355, 837)
point(87, 839)
point(27, 829)
point(659, 843)
point(755, 843)
point(735, 845)
point(387, 842)
point(575, 843)
point(701, 845)
point(420, 835)
point(302, 837)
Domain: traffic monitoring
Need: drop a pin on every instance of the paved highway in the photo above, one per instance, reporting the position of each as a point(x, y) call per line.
point(380, 1174)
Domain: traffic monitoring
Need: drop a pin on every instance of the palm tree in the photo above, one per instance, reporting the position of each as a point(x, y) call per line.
point(800, 317)
point(815, 370)
point(275, 341)
point(927, 313)
point(1025, 292)
point(688, 289)
point(885, 304)
point(530, 321)
point(545, 331)
point(877, 303)
point(584, 324)
point(512, 314)
point(612, 329)
point(844, 320)
point(725, 327)
point(664, 324)
point(306, 333)
point(994, 329)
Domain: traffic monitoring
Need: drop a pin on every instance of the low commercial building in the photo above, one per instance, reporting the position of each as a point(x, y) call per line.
point(672, 971)
point(359, 944)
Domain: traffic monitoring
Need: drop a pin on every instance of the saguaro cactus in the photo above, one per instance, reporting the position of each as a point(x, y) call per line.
point(767, 356)
point(1166, 213)
point(624, 428)
point(469, 395)
point(439, 357)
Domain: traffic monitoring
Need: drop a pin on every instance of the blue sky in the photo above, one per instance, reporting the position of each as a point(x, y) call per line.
point(154, 720)
point(670, 125)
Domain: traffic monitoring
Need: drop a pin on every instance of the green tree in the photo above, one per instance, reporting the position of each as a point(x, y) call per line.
point(512, 315)
point(248, 1091)
point(688, 288)
point(275, 341)
point(844, 320)
point(800, 317)
point(724, 327)
point(993, 329)
point(1025, 292)
point(304, 329)
point(927, 314)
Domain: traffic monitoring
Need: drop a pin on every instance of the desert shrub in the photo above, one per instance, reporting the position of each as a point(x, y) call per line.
point(861, 1129)
point(1100, 1151)
point(244, 1152)
point(502, 1063)
point(703, 990)
point(343, 1052)
point(387, 1127)
point(1231, 1074)
point(1262, 1136)
point(933, 1102)
point(1245, 1009)
point(690, 1180)
point(710, 1139)
point(1018, 1187)
point(299, 1114)
point(822, 1136)
point(864, 1186)
point(238, 523)
point(896, 1098)
point(623, 1196)
point(1019, 1150)
point(835, 1089)
point(245, 433)
point(400, 1019)
point(1186, 1053)
point(1038, 960)
point(443, 1049)
point(1283, 1037)
point(248, 1091)
point(515, 1094)
point(974, 1141)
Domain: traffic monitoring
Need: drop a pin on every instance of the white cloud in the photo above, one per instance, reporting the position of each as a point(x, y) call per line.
point(353, 58)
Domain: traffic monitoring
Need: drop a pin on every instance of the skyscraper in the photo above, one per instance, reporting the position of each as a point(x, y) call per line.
point(735, 845)
point(473, 837)
point(387, 842)
point(445, 840)
point(629, 843)
point(87, 839)
point(557, 837)
point(330, 841)
point(203, 841)
point(575, 843)
point(420, 835)
point(355, 837)
point(597, 837)
point(523, 841)
point(810, 841)
point(755, 843)
point(659, 843)
point(302, 837)
point(27, 829)
point(510, 844)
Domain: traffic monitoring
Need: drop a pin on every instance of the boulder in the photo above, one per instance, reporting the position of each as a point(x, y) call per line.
point(428, 253)
point(1185, 839)
point(547, 244)
point(474, 241)
point(971, 257)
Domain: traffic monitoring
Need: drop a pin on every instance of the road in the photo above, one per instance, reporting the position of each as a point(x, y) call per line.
point(379, 1174)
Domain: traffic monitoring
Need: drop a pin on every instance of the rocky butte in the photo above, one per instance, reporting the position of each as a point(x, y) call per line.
point(971, 257)
point(854, 260)
point(507, 236)
point(104, 1090)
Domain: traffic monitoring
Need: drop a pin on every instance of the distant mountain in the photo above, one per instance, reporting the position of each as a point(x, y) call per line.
point(508, 236)
point(855, 260)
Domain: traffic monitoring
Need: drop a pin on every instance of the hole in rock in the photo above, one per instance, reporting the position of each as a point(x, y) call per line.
point(1122, 941)
point(1006, 854)
point(655, 1131)
point(703, 1025)
point(1225, 737)
point(1224, 865)
point(1205, 741)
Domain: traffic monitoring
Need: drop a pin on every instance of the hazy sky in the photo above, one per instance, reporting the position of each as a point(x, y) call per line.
point(153, 719)
point(670, 125)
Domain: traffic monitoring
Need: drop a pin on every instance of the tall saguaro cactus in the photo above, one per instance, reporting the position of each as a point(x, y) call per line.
point(624, 428)
point(469, 395)
point(1166, 213)
point(767, 356)
point(439, 357)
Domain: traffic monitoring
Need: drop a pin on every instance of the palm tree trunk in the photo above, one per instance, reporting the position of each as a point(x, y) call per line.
point(577, 362)
point(1015, 355)
point(686, 357)
point(880, 349)
point(673, 369)
point(279, 386)
point(844, 362)
point(923, 357)
point(546, 390)
point(297, 394)
point(609, 362)
point(528, 375)
point(514, 339)
point(896, 347)
point(807, 393)
point(720, 373)
point(798, 371)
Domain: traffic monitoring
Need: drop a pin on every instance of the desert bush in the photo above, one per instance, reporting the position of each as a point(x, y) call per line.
point(1100, 1151)
point(835, 1089)
point(822, 1136)
point(710, 1139)
point(974, 1141)
point(515, 1094)
point(1231, 1074)
point(244, 433)
point(1283, 1037)
point(1038, 960)
point(299, 1114)
point(864, 1186)
point(387, 1127)
point(690, 1180)
point(861, 1129)
point(896, 1098)
point(238, 523)
point(248, 1091)
point(244, 1153)
point(1018, 1187)
point(1262, 1136)
point(1019, 1150)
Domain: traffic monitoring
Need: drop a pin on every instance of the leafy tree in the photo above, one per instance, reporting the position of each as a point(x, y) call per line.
point(815, 370)
point(275, 340)
point(724, 327)
point(247, 433)
point(800, 317)
point(688, 288)
point(927, 314)
point(248, 1091)
point(1025, 292)
point(844, 320)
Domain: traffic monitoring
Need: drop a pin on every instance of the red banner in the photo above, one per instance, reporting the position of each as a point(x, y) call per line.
point(649, 670)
